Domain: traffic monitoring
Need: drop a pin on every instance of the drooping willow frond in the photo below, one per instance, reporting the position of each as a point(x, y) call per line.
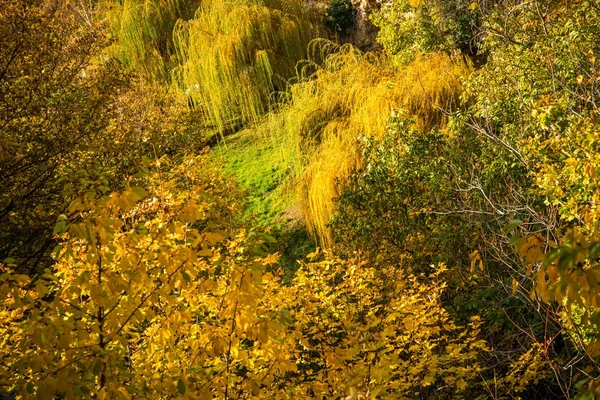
point(143, 33)
point(235, 54)
point(352, 94)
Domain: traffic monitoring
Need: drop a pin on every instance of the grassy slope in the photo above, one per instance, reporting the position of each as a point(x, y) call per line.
point(265, 170)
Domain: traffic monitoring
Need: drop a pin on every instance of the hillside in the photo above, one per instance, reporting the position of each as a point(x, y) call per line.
point(298, 199)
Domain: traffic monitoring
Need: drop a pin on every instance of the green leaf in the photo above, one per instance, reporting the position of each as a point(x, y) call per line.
point(10, 261)
point(60, 227)
point(553, 255)
point(84, 389)
point(140, 191)
point(512, 225)
point(258, 250)
point(595, 318)
point(97, 367)
point(141, 228)
point(594, 252)
point(181, 386)
point(515, 238)
point(40, 339)
point(567, 258)
point(268, 239)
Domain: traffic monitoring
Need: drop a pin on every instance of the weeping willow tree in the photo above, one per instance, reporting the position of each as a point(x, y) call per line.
point(344, 94)
point(236, 54)
point(143, 33)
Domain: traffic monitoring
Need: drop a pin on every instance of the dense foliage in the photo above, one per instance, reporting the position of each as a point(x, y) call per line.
point(340, 15)
point(234, 55)
point(450, 179)
point(143, 33)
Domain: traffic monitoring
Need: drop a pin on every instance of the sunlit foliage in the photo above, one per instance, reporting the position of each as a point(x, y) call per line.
point(154, 293)
point(552, 53)
point(410, 27)
point(414, 198)
point(374, 332)
point(452, 178)
point(234, 55)
point(69, 120)
point(48, 114)
point(351, 94)
point(143, 34)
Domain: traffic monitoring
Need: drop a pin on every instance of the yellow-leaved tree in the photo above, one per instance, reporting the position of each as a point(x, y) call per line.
point(344, 94)
point(143, 34)
point(156, 293)
point(377, 333)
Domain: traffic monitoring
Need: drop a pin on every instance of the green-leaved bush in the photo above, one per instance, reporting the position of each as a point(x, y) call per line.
point(340, 16)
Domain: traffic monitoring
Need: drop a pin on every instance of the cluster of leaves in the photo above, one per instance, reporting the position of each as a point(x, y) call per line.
point(550, 127)
point(234, 55)
point(551, 52)
point(515, 165)
point(380, 332)
point(143, 34)
point(343, 93)
point(69, 120)
point(408, 27)
point(144, 284)
point(48, 114)
point(395, 202)
point(156, 290)
point(227, 57)
point(105, 318)
point(421, 197)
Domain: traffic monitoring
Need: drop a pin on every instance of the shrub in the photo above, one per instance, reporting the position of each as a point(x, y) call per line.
point(339, 16)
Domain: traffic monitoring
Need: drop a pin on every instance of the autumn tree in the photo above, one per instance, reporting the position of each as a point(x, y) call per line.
point(155, 293)
point(234, 56)
point(70, 117)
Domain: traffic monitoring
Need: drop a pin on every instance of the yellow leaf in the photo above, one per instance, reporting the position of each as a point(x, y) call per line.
point(205, 252)
point(101, 395)
point(214, 237)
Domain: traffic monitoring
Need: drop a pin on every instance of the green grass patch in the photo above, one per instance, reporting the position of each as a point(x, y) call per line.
point(264, 168)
